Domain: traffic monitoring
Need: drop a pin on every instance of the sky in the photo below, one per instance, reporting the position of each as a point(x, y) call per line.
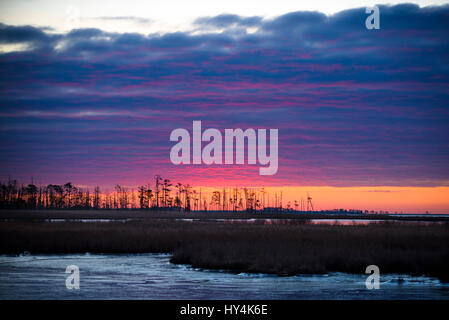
point(90, 91)
point(155, 16)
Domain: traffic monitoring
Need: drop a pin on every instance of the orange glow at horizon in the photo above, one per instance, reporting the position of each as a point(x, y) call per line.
point(392, 199)
point(434, 200)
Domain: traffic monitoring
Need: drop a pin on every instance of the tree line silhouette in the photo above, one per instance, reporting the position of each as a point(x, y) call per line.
point(162, 195)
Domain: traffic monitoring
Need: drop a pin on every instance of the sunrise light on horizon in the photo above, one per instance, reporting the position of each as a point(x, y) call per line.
point(90, 93)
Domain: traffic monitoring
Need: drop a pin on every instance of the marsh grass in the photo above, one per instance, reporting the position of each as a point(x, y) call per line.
point(284, 249)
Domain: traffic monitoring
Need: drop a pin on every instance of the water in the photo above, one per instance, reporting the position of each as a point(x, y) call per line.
point(339, 221)
point(355, 222)
point(152, 276)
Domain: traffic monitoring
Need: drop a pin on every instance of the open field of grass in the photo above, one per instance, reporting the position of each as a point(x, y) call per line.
point(274, 248)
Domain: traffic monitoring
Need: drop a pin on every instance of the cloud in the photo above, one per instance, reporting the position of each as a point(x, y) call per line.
point(138, 20)
point(228, 20)
point(36, 38)
point(354, 106)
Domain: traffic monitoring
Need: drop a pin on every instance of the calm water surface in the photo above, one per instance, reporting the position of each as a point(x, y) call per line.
point(152, 276)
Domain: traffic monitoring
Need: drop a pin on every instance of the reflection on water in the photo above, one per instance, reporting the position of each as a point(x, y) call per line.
point(356, 222)
point(338, 221)
point(343, 222)
point(352, 222)
point(152, 276)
